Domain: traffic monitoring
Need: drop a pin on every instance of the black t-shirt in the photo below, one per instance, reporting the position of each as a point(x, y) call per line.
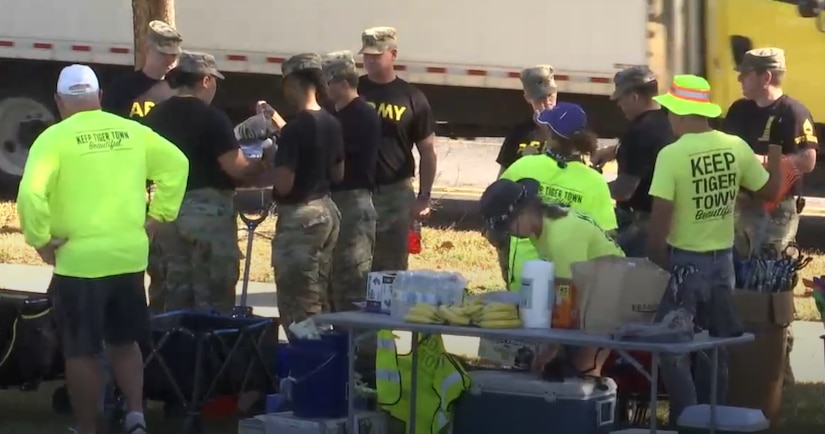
point(406, 118)
point(134, 95)
point(361, 128)
point(202, 132)
point(786, 123)
point(310, 145)
point(524, 139)
point(636, 154)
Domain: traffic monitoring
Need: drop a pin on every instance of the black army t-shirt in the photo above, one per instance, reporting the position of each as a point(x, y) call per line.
point(636, 154)
point(786, 122)
point(406, 118)
point(310, 145)
point(524, 139)
point(202, 132)
point(362, 135)
point(134, 95)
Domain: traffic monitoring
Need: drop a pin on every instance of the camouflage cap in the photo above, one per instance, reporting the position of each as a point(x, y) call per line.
point(164, 37)
point(337, 64)
point(301, 62)
point(538, 82)
point(377, 40)
point(198, 63)
point(762, 59)
point(631, 78)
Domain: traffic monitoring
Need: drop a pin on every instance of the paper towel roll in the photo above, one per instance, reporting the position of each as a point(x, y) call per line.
point(537, 293)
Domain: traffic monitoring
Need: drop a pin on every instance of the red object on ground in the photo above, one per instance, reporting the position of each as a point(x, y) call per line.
point(220, 406)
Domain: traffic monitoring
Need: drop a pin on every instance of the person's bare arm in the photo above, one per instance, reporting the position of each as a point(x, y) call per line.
point(770, 189)
point(235, 164)
point(428, 164)
point(661, 218)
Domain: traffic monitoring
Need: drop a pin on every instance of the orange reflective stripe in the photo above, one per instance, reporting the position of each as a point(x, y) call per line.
point(684, 93)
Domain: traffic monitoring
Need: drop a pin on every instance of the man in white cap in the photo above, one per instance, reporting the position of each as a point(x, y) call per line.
point(93, 227)
point(407, 120)
point(135, 94)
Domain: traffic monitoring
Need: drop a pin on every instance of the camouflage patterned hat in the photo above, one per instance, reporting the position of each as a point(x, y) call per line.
point(631, 78)
point(762, 59)
point(301, 62)
point(338, 64)
point(164, 37)
point(377, 40)
point(538, 82)
point(198, 63)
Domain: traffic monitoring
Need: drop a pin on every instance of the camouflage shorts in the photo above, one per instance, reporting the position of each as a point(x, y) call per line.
point(194, 261)
point(392, 204)
point(305, 236)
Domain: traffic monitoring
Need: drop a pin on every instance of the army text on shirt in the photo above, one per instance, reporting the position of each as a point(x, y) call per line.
point(524, 139)
point(406, 118)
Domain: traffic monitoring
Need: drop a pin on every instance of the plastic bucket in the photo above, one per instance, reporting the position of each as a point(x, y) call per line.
point(318, 373)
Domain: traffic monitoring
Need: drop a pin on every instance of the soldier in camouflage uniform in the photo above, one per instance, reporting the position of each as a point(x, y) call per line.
point(309, 159)
point(768, 116)
point(527, 138)
point(361, 126)
point(406, 120)
point(194, 261)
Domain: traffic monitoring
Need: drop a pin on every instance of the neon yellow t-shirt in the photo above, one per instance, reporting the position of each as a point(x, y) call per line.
point(85, 181)
point(577, 186)
point(702, 174)
point(571, 239)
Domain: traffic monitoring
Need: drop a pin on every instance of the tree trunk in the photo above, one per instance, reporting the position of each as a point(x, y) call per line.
point(144, 11)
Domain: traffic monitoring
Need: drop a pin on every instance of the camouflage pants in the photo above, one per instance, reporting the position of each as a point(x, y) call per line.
point(392, 204)
point(194, 261)
point(708, 294)
point(305, 236)
point(774, 231)
point(757, 229)
point(352, 256)
point(633, 237)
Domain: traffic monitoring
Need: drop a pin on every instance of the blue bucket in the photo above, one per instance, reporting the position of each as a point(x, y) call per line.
point(318, 371)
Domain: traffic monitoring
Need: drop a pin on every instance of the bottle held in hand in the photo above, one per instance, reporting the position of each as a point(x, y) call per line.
point(414, 239)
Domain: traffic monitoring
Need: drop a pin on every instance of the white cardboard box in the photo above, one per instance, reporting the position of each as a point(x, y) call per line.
point(286, 423)
point(379, 291)
point(507, 352)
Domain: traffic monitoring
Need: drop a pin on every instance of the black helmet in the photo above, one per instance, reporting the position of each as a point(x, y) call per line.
point(501, 200)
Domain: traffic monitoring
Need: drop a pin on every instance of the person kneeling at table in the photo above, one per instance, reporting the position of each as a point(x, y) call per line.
point(560, 235)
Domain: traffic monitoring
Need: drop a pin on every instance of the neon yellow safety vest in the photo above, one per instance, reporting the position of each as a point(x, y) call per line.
point(576, 186)
point(441, 380)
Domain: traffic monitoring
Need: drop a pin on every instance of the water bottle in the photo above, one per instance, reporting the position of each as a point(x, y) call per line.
point(414, 239)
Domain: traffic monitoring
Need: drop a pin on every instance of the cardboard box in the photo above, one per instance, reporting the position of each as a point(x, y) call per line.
point(286, 423)
point(379, 291)
point(509, 353)
point(759, 385)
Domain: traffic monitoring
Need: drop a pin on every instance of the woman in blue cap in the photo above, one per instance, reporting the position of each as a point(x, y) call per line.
point(558, 234)
point(563, 176)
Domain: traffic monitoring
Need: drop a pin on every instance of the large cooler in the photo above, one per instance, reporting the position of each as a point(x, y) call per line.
point(523, 403)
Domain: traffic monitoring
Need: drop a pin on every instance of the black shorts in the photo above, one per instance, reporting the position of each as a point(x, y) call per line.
point(90, 311)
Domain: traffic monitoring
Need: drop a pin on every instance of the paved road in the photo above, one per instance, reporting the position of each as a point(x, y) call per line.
point(807, 358)
point(466, 167)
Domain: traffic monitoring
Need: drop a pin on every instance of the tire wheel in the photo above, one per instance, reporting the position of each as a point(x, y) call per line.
point(22, 119)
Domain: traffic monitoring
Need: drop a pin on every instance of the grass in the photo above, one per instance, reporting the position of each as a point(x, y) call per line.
point(444, 249)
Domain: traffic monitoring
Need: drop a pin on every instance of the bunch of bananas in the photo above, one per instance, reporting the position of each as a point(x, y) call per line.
point(424, 313)
point(497, 316)
point(472, 312)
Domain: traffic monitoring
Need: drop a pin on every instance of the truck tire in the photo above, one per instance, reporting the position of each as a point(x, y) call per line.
point(22, 119)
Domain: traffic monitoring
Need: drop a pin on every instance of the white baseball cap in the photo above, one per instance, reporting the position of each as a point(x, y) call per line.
point(77, 80)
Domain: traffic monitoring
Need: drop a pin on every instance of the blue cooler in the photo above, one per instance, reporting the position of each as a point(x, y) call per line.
point(521, 402)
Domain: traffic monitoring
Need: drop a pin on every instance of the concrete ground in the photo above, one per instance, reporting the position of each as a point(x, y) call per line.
point(808, 357)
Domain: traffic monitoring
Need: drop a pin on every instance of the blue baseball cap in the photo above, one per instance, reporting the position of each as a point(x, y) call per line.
point(564, 119)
